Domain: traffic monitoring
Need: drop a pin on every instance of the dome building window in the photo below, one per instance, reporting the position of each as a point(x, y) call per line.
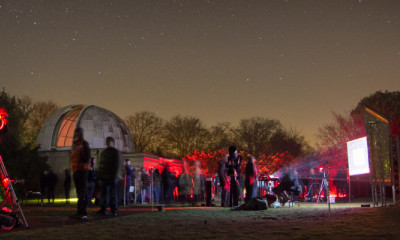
point(66, 130)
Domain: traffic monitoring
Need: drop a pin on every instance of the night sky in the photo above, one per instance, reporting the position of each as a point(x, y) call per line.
point(295, 61)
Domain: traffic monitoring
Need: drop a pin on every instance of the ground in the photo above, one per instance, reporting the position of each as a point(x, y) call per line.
point(309, 221)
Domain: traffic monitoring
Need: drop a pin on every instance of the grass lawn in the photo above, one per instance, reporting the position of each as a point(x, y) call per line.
point(309, 221)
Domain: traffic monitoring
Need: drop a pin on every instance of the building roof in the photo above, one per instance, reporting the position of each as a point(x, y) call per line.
point(98, 123)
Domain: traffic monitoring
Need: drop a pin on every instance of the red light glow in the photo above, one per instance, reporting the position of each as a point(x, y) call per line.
point(3, 118)
point(175, 166)
point(5, 182)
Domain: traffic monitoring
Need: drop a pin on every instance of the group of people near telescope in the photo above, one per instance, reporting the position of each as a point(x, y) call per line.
point(111, 169)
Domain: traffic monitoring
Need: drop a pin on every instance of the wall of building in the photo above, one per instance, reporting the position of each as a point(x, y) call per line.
point(59, 161)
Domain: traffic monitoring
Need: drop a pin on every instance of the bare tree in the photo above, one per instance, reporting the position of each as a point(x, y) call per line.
point(288, 140)
point(146, 129)
point(38, 112)
point(185, 134)
point(333, 138)
point(220, 137)
point(335, 135)
point(254, 134)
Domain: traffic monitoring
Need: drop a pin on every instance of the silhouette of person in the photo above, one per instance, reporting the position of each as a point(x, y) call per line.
point(52, 180)
point(233, 168)
point(109, 172)
point(80, 166)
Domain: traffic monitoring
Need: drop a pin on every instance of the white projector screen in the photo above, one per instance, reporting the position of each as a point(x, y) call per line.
point(357, 152)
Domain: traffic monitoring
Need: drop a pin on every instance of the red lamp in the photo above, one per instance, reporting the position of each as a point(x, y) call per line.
point(3, 121)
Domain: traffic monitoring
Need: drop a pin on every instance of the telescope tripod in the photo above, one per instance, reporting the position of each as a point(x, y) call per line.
point(9, 193)
point(324, 185)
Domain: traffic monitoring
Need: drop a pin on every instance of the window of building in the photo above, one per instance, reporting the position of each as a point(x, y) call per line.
point(67, 128)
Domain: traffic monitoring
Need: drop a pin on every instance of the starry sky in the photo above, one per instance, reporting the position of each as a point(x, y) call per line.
point(296, 61)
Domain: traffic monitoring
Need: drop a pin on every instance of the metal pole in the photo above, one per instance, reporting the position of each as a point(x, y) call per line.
point(151, 191)
point(125, 180)
point(349, 187)
point(134, 191)
point(327, 186)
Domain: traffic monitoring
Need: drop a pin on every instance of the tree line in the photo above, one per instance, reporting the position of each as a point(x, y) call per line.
point(181, 135)
point(186, 137)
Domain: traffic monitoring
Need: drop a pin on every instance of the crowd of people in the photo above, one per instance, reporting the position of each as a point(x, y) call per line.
point(48, 182)
point(115, 181)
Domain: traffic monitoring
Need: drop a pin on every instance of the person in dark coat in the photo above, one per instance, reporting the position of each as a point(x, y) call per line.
point(286, 185)
point(109, 172)
point(234, 172)
point(43, 185)
point(52, 180)
point(166, 185)
point(128, 174)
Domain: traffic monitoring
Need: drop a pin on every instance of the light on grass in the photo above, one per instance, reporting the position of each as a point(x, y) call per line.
point(63, 200)
point(57, 200)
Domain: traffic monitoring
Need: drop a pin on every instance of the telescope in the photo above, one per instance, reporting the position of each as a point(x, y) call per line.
point(5, 182)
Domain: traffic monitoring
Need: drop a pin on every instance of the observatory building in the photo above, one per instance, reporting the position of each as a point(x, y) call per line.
point(98, 123)
point(57, 133)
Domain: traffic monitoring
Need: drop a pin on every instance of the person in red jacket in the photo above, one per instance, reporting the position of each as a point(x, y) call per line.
point(80, 166)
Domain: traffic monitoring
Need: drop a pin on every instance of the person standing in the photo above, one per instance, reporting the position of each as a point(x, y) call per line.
point(128, 174)
point(233, 168)
point(43, 186)
point(156, 185)
point(80, 166)
point(198, 184)
point(223, 180)
point(137, 181)
point(166, 185)
point(109, 173)
point(251, 179)
point(52, 180)
point(184, 186)
point(146, 181)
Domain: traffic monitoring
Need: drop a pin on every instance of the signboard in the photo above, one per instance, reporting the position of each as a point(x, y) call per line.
point(357, 151)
